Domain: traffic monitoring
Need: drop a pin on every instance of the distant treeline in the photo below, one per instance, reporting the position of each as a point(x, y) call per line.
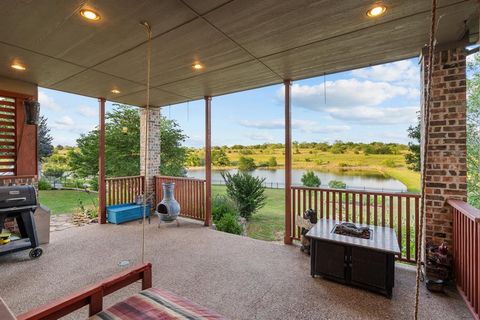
point(336, 147)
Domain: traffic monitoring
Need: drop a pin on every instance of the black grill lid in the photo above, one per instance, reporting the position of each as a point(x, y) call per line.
point(17, 196)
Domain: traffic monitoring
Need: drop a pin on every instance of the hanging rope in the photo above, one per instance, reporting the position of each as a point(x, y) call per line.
point(148, 29)
point(325, 87)
point(426, 121)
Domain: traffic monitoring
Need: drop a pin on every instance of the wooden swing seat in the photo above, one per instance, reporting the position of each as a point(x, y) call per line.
point(150, 303)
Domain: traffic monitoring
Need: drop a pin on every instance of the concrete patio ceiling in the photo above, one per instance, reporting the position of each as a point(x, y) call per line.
point(243, 44)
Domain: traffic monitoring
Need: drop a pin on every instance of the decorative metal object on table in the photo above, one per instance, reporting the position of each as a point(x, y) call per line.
point(168, 209)
point(368, 263)
point(352, 230)
point(306, 222)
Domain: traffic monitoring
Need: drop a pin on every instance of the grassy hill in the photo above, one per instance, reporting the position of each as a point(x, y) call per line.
point(351, 159)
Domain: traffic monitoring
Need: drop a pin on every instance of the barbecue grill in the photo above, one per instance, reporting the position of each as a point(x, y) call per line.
point(20, 202)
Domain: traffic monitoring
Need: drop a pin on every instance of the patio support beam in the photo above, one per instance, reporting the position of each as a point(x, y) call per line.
point(102, 191)
point(288, 162)
point(445, 162)
point(208, 160)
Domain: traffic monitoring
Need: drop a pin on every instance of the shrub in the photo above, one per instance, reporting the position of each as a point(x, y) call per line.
point(43, 184)
point(309, 179)
point(247, 191)
point(389, 163)
point(337, 184)
point(222, 205)
point(272, 162)
point(246, 164)
point(93, 184)
point(229, 223)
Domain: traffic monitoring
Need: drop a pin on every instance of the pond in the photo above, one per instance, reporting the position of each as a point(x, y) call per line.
point(275, 178)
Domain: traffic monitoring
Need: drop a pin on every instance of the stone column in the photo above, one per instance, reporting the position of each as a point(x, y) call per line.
point(152, 145)
point(446, 150)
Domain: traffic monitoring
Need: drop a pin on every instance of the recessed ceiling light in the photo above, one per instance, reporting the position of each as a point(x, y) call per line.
point(197, 66)
point(115, 91)
point(376, 10)
point(18, 66)
point(90, 14)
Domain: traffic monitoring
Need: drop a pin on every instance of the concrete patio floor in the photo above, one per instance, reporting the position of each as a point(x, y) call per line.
point(239, 277)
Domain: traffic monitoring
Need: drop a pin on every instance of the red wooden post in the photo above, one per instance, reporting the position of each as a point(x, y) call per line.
point(102, 207)
point(288, 162)
point(208, 160)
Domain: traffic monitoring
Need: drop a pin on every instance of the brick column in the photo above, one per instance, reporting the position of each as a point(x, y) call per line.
point(152, 145)
point(446, 150)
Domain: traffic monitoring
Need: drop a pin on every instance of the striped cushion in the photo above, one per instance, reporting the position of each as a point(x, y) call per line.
point(154, 303)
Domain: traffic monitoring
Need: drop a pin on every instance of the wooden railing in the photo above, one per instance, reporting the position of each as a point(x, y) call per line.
point(395, 210)
point(466, 253)
point(190, 193)
point(124, 189)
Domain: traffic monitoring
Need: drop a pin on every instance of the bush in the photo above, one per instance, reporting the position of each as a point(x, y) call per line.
point(93, 184)
point(309, 179)
point(43, 184)
point(246, 164)
point(222, 205)
point(337, 184)
point(272, 162)
point(389, 163)
point(229, 223)
point(247, 191)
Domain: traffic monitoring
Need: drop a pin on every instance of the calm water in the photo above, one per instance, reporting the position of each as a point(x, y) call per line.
point(275, 178)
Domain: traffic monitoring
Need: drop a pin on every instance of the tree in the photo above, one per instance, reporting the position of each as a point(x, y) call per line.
point(247, 191)
point(246, 164)
point(220, 158)
point(45, 147)
point(412, 158)
point(473, 132)
point(193, 160)
point(172, 153)
point(309, 179)
point(122, 146)
point(55, 166)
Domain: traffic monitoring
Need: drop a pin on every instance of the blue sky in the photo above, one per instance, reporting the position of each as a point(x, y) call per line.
point(371, 104)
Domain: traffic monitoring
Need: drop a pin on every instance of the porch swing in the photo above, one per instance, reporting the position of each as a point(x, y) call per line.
point(150, 303)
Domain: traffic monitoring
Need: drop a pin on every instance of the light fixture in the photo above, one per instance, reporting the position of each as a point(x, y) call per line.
point(18, 66)
point(197, 66)
point(115, 91)
point(90, 14)
point(376, 10)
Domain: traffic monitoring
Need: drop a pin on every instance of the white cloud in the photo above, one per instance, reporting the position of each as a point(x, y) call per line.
point(48, 102)
point(67, 124)
point(400, 72)
point(307, 126)
point(375, 115)
point(260, 136)
point(65, 121)
point(88, 111)
point(195, 141)
point(346, 92)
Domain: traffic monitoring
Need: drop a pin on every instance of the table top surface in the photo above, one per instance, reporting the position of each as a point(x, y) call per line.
point(383, 239)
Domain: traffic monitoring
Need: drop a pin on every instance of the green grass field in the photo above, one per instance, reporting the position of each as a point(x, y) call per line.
point(66, 201)
point(268, 223)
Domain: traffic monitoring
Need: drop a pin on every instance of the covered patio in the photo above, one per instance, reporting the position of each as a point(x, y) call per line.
point(239, 277)
point(203, 49)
